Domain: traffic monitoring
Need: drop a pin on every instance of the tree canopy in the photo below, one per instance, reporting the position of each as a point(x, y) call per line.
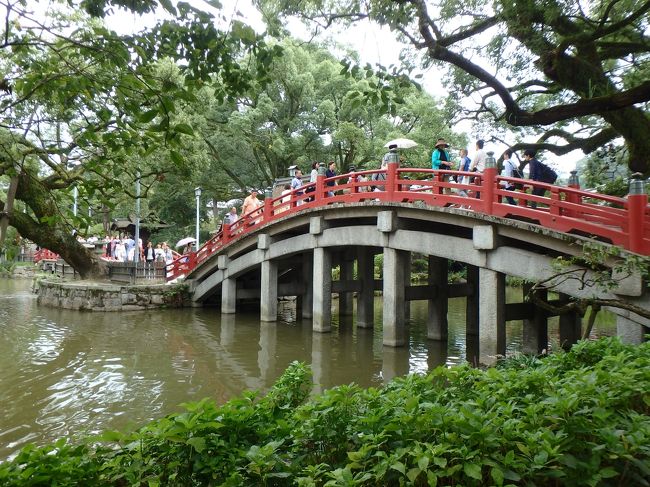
point(81, 105)
point(563, 75)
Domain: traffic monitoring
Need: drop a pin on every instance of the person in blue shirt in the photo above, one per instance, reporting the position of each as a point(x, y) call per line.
point(440, 158)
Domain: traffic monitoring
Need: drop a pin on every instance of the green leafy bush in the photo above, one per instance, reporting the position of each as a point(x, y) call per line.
point(575, 418)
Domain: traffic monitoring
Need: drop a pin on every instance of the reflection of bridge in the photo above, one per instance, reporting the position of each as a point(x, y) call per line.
point(289, 247)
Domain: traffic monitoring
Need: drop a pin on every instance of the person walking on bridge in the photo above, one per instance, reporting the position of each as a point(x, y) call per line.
point(296, 184)
point(440, 158)
point(251, 203)
point(478, 164)
point(538, 171)
point(231, 217)
point(330, 173)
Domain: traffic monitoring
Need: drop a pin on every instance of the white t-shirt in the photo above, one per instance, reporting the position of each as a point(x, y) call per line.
point(479, 160)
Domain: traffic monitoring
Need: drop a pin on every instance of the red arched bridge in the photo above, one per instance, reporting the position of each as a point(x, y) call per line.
point(624, 222)
point(289, 246)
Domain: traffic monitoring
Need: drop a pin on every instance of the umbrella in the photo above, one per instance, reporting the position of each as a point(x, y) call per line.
point(401, 143)
point(184, 241)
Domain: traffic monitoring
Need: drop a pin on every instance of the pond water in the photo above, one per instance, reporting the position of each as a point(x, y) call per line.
point(69, 373)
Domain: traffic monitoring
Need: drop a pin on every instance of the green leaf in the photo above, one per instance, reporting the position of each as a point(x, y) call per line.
point(413, 474)
point(399, 466)
point(497, 475)
point(184, 128)
point(472, 470)
point(608, 473)
point(523, 448)
point(111, 436)
point(176, 157)
point(243, 32)
point(148, 116)
point(197, 442)
point(440, 461)
point(423, 462)
point(167, 5)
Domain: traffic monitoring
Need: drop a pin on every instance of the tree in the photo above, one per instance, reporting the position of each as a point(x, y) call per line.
point(79, 104)
point(307, 110)
point(574, 75)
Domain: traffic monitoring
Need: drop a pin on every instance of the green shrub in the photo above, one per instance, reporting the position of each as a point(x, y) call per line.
point(575, 418)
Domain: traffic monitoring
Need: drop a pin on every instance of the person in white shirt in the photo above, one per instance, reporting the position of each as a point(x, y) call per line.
point(509, 172)
point(231, 216)
point(478, 164)
point(296, 184)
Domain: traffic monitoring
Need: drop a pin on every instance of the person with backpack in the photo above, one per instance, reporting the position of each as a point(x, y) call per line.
point(510, 170)
point(538, 172)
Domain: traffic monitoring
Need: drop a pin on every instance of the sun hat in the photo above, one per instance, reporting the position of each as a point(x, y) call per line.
point(441, 143)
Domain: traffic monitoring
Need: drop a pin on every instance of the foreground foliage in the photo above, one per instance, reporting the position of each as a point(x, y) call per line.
point(576, 418)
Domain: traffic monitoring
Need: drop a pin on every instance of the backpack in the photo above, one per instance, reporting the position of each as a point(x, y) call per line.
point(546, 174)
point(516, 173)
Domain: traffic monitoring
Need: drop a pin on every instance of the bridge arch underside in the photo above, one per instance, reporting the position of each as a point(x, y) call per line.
point(294, 257)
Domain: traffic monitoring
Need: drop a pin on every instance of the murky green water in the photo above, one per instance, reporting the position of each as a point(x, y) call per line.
point(67, 373)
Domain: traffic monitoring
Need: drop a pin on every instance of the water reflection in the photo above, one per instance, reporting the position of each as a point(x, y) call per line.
point(69, 373)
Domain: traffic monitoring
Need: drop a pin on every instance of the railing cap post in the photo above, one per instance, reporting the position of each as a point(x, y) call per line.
point(637, 184)
point(490, 161)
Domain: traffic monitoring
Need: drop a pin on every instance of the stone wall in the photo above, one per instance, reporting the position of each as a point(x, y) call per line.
point(93, 296)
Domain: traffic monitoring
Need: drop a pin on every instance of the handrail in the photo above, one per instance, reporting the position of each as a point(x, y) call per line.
point(44, 254)
point(621, 221)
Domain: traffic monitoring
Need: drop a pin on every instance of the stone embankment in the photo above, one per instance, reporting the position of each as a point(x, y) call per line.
point(97, 296)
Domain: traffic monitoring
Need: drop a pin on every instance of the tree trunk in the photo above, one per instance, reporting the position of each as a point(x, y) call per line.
point(47, 228)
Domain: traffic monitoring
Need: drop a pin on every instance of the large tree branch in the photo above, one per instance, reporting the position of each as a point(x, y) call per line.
point(469, 32)
point(603, 31)
point(586, 145)
point(591, 106)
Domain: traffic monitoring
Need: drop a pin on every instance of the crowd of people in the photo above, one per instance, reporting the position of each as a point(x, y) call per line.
point(441, 159)
point(538, 171)
point(122, 248)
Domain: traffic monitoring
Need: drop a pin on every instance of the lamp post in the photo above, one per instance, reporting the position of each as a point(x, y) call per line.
point(197, 193)
point(136, 253)
point(75, 193)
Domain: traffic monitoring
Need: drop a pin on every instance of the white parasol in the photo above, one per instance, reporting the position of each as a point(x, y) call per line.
point(184, 241)
point(402, 143)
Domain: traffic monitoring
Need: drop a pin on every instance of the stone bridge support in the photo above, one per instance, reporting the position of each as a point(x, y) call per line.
point(366, 294)
point(322, 290)
point(287, 261)
point(437, 324)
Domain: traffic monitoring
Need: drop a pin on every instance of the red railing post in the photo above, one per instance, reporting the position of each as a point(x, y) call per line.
point(226, 233)
point(487, 183)
point(391, 180)
point(320, 187)
point(267, 212)
point(571, 197)
point(637, 199)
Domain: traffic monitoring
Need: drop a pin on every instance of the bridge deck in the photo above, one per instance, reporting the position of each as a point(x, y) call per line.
point(624, 222)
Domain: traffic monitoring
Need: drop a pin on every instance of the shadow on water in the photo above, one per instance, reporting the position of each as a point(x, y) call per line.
point(68, 373)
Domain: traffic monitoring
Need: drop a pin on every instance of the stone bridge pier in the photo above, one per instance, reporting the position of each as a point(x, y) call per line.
point(301, 264)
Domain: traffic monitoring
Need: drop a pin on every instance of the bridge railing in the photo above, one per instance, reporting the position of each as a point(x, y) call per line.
point(44, 254)
point(620, 221)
